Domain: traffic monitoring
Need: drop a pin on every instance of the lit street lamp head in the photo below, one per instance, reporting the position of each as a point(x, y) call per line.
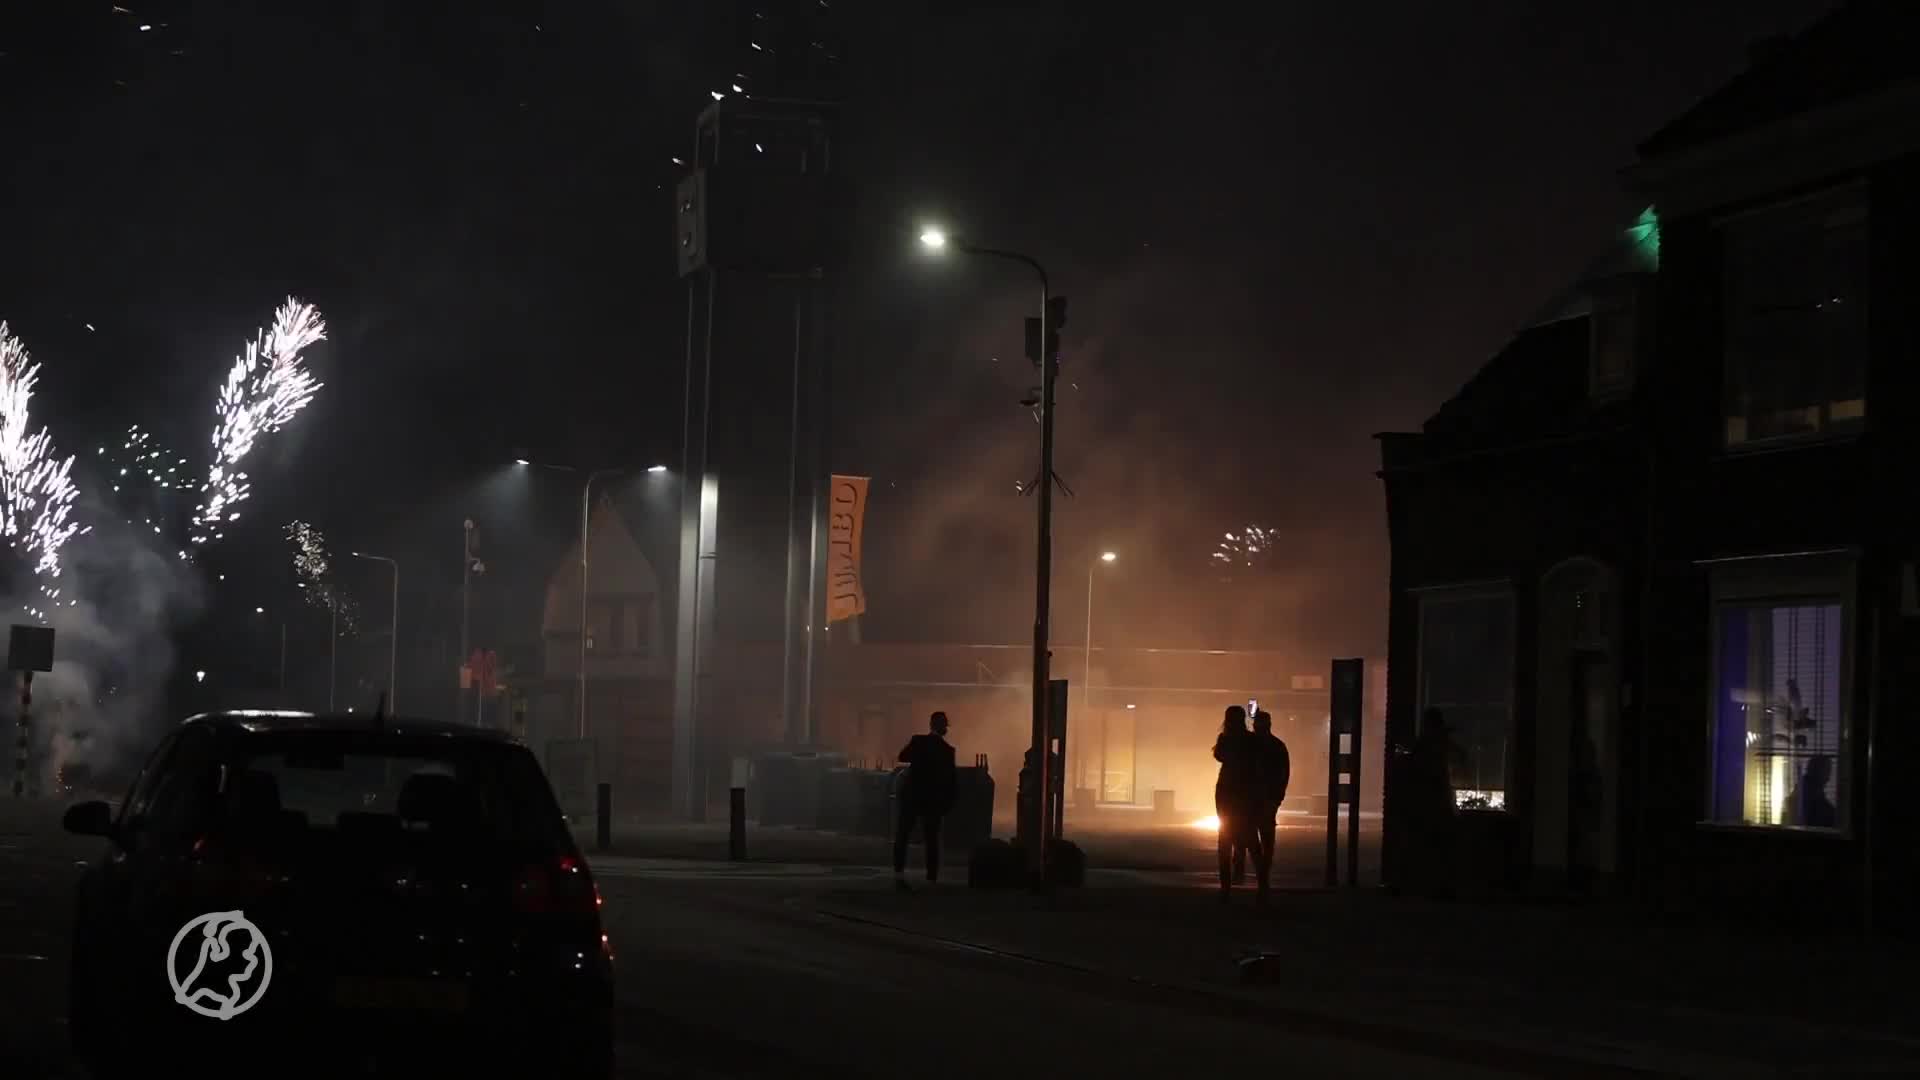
point(521, 461)
point(933, 239)
point(656, 469)
point(1108, 556)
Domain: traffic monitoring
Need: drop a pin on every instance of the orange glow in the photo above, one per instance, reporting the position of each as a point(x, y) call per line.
point(1209, 823)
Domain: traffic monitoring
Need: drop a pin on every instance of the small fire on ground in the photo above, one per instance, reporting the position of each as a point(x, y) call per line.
point(1210, 823)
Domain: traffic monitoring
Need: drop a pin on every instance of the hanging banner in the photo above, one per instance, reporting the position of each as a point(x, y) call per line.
point(846, 520)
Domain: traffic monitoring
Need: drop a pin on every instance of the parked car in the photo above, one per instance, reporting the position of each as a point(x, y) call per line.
point(287, 890)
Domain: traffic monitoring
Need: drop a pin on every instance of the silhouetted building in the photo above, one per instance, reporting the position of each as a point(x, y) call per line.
point(1651, 562)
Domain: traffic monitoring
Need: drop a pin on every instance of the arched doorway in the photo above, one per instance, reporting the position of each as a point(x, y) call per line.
point(1576, 730)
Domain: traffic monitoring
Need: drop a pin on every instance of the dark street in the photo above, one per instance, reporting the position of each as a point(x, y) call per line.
point(732, 974)
point(1360, 539)
point(775, 968)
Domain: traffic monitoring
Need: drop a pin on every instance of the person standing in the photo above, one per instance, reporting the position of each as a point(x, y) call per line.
point(1233, 792)
point(1273, 768)
point(926, 794)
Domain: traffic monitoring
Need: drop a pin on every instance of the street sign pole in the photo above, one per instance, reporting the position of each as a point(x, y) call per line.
point(29, 649)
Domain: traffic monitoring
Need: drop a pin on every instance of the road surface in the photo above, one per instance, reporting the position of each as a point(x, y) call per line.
point(731, 975)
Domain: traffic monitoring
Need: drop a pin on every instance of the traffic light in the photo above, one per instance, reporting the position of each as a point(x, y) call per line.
point(1056, 318)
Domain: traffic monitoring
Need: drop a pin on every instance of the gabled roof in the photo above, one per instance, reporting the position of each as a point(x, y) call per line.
point(1861, 47)
point(1536, 385)
point(1533, 388)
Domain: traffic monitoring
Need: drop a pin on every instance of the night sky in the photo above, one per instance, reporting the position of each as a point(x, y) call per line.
point(1282, 230)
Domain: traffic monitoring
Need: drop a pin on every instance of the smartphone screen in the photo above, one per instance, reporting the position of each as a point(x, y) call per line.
point(1253, 707)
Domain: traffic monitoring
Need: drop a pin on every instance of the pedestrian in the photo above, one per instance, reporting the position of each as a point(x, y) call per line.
point(1234, 791)
point(1431, 766)
point(1272, 769)
point(925, 795)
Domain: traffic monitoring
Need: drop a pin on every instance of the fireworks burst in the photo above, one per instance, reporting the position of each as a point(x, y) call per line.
point(142, 460)
point(1243, 549)
point(311, 566)
point(36, 490)
point(265, 388)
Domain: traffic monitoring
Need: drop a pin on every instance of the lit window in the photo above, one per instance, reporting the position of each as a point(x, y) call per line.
point(1466, 672)
point(1779, 712)
point(1796, 322)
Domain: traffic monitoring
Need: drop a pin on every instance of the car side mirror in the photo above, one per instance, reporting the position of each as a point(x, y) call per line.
point(93, 818)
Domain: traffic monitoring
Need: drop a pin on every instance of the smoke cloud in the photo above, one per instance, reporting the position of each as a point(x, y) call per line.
point(125, 595)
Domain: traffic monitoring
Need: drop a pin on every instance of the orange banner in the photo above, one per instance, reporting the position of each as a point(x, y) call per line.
point(846, 521)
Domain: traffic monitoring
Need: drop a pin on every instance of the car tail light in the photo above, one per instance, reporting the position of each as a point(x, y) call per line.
point(559, 886)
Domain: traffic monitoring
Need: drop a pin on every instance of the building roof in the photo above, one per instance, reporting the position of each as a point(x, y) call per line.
point(1861, 47)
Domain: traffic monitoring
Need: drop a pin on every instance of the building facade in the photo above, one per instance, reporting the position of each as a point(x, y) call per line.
point(1651, 564)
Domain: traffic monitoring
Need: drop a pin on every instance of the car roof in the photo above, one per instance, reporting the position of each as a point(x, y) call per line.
point(278, 721)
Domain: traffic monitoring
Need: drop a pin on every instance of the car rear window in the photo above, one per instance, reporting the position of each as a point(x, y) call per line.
point(328, 781)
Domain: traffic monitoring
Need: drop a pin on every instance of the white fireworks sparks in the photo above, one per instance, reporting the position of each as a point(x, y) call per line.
point(140, 459)
point(309, 553)
point(36, 490)
point(1243, 549)
point(312, 566)
point(265, 388)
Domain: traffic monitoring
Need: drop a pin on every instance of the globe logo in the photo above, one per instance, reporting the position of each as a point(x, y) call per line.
point(226, 961)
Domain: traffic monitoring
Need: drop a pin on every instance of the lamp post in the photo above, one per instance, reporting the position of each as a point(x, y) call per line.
point(393, 629)
point(333, 646)
point(283, 654)
point(586, 515)
point(936, 240)
point(586, 522)
point(1086, 689)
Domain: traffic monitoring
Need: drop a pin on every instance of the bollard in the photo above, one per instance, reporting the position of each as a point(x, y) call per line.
point(603, 816)
point(737, 824)
point(23, 737)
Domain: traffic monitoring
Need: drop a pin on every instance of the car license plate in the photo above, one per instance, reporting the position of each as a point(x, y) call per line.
point(402, 995)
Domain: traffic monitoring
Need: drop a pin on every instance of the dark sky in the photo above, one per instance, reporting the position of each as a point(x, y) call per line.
point(1282, 229)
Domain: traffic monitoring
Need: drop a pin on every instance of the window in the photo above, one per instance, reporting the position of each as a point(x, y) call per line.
point(1466, 672)
point(620, 624)
point(319, 781)
point(1796, 321)
point(182, 793)
point(1610, 375)
point(1779, 711)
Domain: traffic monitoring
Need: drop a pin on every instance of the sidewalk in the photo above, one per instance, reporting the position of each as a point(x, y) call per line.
point(1588, 988)
point(1300, 850)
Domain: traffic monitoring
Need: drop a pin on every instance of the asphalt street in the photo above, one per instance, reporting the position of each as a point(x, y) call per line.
point(725, 973)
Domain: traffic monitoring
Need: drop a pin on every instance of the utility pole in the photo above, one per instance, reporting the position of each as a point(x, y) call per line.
point(1043, 348)
point(393, 629)
point(466, 606)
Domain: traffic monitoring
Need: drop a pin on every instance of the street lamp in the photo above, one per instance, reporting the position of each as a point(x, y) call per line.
point(469, 566)
point(935, 239)
point(283, 654)
point(393, 629)
point(586, 519)
point(1086, 691)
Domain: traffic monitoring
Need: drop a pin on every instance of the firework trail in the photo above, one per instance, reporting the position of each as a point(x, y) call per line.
point(1244, 548)
point(312, 567)
point(36, 491)
point(265, 388)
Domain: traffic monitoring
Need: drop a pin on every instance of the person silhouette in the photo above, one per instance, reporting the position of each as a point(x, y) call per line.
point(1234, 791)
point(1272, 769)
point(925, 797)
